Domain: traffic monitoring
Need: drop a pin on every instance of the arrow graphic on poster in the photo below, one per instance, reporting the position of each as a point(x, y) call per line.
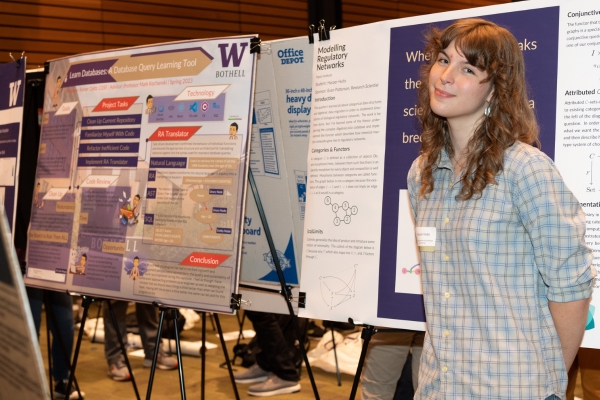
point(185, 62)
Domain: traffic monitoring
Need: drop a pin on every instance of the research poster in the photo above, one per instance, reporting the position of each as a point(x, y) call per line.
point(142, 173)
point(267, 164)
point(359, 255)
point(292, 64)
point(22, 373)
point(12, 96)
point(278, 163)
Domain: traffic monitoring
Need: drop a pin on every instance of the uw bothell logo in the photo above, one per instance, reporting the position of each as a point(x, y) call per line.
point(291, 56)
point(232, 55)
point(13, 89)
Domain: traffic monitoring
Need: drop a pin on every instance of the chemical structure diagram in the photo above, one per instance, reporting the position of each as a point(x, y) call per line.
point(342, 213)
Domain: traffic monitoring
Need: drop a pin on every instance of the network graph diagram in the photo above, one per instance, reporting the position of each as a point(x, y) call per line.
point(342, 213)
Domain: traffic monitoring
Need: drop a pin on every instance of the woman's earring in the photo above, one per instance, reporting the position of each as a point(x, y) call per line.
point(487, 111)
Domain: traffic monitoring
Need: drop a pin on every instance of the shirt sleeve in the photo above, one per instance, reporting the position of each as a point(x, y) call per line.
point(555, 222)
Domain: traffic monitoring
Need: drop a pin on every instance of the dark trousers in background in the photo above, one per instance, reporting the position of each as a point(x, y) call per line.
point(147, 317)
point(276, 339)
point(62, 306)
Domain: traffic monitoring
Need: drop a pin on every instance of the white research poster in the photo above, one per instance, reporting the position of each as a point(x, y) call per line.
point(284, 78)
point(363, 264)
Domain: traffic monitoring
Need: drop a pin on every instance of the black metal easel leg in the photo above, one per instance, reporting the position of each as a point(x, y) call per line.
point(212, 321)
point(97, 319)
point(337, 367)
point(87, 301)
point(178, 347)
point(203, 355)
point(122, 344)
point(366, 334)
point(224, 346)
point(155, 357)
point(285, 290)
point(61, 342)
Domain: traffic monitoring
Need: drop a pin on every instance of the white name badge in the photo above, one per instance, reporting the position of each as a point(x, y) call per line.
point(426, 236)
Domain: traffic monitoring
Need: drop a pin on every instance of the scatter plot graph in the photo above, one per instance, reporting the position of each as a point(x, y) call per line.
point(339, 288)
point(343, 213)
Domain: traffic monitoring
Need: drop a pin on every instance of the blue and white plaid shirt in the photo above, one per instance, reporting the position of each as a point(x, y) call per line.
point(497, 262)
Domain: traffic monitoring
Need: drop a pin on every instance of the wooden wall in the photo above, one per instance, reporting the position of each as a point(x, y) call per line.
point(48, 29)
point(359, 12)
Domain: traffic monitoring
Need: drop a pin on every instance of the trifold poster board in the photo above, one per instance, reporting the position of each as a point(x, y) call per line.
point(142, 173)
point(359, 256)
point(21, 370)
point(280, 128)
point(12, 97)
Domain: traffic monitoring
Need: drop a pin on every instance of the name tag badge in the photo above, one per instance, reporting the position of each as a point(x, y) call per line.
point(426, 236)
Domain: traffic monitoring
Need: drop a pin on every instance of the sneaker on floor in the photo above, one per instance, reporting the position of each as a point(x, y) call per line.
point(119, 372)
point(163, 361)
point(253, 374)
point(61, 388)
point(273, 386)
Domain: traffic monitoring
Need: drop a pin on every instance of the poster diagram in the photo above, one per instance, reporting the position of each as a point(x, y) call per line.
point(140, 187)
point(339, 288)
point(342, 213)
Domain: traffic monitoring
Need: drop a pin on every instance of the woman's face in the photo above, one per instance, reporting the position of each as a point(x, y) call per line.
point(455, 88)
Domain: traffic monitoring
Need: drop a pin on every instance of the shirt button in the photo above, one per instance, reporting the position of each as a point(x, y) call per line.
point(446, 258)
point(447, 295)
point(446, 220)
point(446, 333)
point(444, 369)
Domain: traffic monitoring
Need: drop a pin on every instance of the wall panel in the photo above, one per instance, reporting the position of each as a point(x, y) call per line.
point(358, 12)
point(48, 29)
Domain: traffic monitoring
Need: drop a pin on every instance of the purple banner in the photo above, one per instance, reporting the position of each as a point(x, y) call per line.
point(168, 162)
point(88, 73)
point(109, 147)
point(12, 85)
point(105, 120)
point(168, 110)
point(539, 26)
point(109, 134)
point(107, 162)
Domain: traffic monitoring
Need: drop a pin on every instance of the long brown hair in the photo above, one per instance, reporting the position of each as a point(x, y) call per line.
point(495, 50)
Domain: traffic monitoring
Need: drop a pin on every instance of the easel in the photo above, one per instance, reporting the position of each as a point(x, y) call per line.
point(366, 335)
point(175, 314)
point(286, 291)
point(87, 301)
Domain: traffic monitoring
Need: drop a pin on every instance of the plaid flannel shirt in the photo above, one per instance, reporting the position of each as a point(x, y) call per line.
point(497, 262)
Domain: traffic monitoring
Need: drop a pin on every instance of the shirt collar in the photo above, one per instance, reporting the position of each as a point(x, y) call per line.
point(444, 161)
